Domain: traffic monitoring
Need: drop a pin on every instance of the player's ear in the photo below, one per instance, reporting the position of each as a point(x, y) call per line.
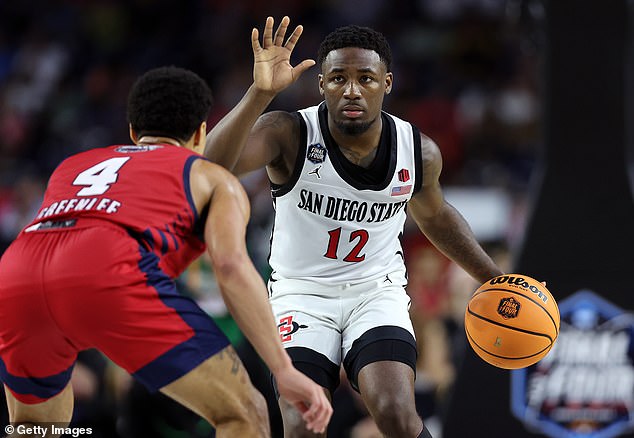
point(388, 82)
point(321, 84)
point(200, 136)
point(133, 136)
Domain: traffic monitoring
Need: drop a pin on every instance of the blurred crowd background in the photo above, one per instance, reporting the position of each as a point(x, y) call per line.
point(466, 72)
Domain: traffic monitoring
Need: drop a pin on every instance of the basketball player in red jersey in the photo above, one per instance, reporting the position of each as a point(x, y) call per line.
point(341, 174)
point(95, 269)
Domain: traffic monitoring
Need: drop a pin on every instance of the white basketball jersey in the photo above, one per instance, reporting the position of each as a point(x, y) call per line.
point(332, 228)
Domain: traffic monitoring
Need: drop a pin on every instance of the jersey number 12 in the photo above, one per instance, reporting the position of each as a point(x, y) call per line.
point(353, 256)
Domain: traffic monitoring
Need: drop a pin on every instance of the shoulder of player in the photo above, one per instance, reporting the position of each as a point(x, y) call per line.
point(210, 170)
point(431, 156)
point(276, 122)
point(280, 129)
point(429, 148)
point(205, 177)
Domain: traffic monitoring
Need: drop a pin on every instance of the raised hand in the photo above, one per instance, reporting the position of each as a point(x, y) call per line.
point(272, 70)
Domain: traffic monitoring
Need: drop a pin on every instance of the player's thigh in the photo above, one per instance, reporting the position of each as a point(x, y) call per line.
point(36, 357)
point(311, 335)
point(146, 326)
point(57, 409)
point(220, 390)
point(378, 329)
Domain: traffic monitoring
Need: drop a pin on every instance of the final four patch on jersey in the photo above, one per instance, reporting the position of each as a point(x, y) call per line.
point(316, 153)
point(137, 148)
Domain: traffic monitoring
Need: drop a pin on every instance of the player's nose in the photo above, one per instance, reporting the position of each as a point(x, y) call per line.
point(352, 90)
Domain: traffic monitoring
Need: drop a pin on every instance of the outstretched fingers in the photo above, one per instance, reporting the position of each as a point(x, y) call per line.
point(292, 40)
point(272, 52)
point(269, 40)
point(267, 37)
point(280, 33)
point(255, 40)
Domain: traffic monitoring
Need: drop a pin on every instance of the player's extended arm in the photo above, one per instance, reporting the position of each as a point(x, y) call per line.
point(272, 73)
point(243, 289)
point(443, 225)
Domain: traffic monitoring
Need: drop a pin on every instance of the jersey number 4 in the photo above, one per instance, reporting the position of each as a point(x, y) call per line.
point(99, 177)
point(353, 256)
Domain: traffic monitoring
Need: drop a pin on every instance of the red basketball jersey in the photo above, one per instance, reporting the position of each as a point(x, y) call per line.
point(144, 189)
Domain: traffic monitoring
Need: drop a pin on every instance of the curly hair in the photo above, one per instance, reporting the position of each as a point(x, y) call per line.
point(356, 36)
point(168, 102)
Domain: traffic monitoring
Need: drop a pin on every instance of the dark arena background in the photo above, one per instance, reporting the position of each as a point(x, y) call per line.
point(532, 105)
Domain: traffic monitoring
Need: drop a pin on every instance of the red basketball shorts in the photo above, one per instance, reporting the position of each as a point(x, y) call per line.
point(70, 289)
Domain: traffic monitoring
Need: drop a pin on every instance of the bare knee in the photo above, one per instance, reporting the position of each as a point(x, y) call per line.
point(220, 390)
point(395, 417)
point(258, 409)
point(249, 413)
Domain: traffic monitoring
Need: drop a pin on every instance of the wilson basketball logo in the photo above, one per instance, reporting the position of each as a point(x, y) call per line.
point(521, 282)
point(509, 308)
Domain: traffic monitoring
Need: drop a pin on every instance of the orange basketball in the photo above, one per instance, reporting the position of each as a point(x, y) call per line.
point(512, 321)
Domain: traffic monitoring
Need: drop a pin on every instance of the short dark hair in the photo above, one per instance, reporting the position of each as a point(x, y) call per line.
point(356, 36)
point(168, 102)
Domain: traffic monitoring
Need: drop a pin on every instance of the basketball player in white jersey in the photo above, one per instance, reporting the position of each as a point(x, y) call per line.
point(342, 173)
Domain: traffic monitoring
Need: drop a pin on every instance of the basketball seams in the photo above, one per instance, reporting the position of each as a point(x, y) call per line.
point(505, 357)
point(528, 298)
point(499, 324)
